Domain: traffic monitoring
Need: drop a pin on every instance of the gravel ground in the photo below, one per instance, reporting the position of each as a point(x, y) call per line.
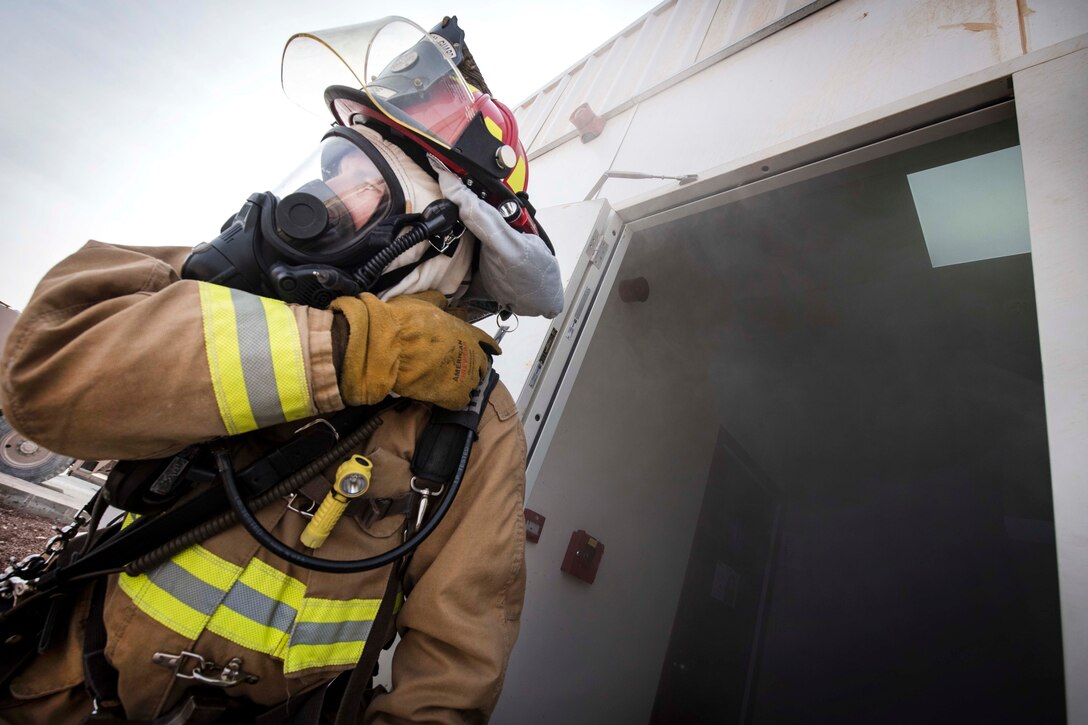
point(21, 533)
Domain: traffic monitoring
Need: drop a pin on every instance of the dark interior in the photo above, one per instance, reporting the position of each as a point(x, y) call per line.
point(877, 529)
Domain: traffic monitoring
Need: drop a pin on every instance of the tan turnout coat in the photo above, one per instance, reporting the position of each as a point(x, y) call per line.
point(110, 360)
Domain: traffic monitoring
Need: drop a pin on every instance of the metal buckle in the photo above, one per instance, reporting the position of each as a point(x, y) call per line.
point(320, 421)
point(448, 240)
point(426, 491)
point(308, 513)
point(205, 671)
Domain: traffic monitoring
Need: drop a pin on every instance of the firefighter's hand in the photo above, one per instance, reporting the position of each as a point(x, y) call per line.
point(411, 347)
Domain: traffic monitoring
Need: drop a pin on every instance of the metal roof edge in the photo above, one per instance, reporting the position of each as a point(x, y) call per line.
point(630, 26)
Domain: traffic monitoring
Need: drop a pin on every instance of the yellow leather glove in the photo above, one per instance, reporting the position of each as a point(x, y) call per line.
point(409, 346)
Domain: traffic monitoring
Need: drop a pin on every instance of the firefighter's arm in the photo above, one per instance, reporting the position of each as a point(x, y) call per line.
point(466, 589)
point(116, 357)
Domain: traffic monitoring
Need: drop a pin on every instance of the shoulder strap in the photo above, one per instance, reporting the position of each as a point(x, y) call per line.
point(381, 631)
point(99, 675)
point(439, 458)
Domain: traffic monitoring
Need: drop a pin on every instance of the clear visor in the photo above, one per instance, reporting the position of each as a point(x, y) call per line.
point(409, 75)
point(350, 186)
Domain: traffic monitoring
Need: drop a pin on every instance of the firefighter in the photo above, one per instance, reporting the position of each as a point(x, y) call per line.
point(147, 353)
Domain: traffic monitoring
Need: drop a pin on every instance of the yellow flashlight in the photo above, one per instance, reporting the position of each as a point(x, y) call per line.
point(352, 481)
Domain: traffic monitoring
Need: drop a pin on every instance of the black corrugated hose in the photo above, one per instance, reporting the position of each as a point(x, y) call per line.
point(228, 518)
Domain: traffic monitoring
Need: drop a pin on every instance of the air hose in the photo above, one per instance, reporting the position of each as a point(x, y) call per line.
point(225, 520)
point(335, 566)
point(439, 216)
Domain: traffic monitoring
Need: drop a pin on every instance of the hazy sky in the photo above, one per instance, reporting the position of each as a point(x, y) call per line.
point(150, 122)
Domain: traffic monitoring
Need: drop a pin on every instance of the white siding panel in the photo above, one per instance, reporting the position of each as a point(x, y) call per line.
point(1047, 22)
point(564, 178)
point(533, 113)
point(652, 50)
point(849, 58)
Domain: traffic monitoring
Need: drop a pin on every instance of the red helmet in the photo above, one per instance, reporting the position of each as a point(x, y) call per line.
point(414, 90)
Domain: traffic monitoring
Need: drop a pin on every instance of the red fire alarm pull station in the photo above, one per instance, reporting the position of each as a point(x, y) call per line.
point(534, 524)
point(583, 556)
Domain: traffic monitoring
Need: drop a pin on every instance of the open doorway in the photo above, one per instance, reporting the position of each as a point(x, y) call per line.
point(881, 371)
point(880, 361)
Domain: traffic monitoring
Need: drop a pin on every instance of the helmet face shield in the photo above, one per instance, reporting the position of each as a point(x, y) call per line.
point(408, 74)
point(391, 74)
point(338, 194)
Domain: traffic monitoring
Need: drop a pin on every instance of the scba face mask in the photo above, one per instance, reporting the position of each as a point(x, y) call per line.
point(338, 225)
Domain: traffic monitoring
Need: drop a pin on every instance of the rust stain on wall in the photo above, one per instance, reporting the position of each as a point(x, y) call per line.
point(1023, 11)
point(973, 27)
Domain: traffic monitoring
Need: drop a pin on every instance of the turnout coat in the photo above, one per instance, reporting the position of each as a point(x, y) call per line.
point(117, 357)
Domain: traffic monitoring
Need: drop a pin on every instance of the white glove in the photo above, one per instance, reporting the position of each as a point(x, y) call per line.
point(516, 269)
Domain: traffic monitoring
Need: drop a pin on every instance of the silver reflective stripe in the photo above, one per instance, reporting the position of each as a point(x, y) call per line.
point(256, 351)
point(186, 588)
point(330, 633)
point(251, 604)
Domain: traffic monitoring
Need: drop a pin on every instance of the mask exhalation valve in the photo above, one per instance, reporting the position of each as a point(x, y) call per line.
point(301, 216)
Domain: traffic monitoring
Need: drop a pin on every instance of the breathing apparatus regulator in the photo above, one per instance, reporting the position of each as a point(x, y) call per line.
point(340, 224)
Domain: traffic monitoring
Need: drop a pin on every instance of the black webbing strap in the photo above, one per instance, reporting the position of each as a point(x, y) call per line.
point(438, 458)
point(148, 533)
point(351, 706)
point(303, 708)
point(100, 678)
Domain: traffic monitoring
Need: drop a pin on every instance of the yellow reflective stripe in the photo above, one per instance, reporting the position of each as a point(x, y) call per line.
point(332, 611)
point(225, 358)
point(255, 359)
point(208, 567)
point(516, 180)
point(493, 127)
point(272, 582)
point(290, 369)
point(162, 606)
point(350, 614)
point(304, 656)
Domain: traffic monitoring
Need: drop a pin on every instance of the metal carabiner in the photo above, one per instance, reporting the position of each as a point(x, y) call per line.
point(426, 495)
point(503, 328)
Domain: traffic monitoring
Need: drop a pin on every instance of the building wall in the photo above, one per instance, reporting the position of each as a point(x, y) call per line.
point(844, 60)
point(847, 61)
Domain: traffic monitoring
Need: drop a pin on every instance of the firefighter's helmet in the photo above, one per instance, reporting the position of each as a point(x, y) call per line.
point(392, 74)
